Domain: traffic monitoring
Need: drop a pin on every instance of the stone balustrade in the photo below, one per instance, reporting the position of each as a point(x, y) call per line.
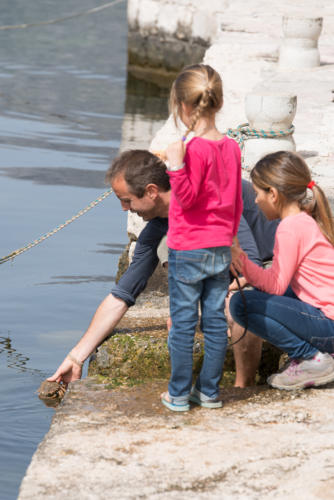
point(299, 48)
point(269, 112)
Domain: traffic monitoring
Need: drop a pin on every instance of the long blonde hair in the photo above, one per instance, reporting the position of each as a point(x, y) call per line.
point(290, 175)
point(200, 87)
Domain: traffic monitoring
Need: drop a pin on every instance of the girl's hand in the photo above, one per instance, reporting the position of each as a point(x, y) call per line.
point(237, 255)
point(175, 153)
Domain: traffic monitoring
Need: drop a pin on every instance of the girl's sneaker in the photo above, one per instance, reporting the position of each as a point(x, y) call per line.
point(318, 370)
point(202, 400)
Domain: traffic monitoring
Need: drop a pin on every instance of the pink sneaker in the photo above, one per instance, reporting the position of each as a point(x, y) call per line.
point(318, 370)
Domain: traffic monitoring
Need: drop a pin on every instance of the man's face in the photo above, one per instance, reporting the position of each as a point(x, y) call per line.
point(145, 207)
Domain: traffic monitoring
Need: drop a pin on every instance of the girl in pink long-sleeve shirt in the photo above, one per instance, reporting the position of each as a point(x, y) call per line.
point(293, 307)
point(204, 215)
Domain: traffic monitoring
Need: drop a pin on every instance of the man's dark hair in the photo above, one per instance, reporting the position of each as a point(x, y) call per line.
point(139, 168)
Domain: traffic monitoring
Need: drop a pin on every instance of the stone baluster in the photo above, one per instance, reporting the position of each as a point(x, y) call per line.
point(268, 112)
point(299, 48)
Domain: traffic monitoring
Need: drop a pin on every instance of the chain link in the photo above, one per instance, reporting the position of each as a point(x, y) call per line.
point(81, 212)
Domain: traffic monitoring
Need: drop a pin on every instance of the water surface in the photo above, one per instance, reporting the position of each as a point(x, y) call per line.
point(62, 94)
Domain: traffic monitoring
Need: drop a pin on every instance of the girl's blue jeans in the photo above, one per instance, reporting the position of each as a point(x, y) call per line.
point(197, 277)
point(299, 329)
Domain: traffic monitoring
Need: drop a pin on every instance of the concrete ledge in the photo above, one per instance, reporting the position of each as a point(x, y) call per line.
point(124, 444)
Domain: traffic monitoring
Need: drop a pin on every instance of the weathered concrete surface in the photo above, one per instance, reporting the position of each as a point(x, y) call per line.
point(124, 445)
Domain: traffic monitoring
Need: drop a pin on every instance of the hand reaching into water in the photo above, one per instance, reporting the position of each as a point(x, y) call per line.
point(106, 317)
point(67, 372)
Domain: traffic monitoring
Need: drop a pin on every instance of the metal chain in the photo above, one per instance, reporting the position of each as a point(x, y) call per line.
point(61, 19)
point(81, 212)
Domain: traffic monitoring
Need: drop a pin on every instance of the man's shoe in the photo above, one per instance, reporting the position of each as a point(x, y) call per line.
point(300, 374)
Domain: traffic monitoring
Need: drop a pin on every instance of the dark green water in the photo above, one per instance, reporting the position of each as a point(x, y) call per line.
point(62, 96)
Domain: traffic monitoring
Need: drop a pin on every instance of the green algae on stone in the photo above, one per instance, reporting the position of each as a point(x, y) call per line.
point(128, 359)
point(131, 358)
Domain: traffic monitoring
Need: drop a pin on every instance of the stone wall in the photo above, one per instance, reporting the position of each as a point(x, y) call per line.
point(167, 34)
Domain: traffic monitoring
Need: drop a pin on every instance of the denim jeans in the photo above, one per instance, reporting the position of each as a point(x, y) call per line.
point(197, 277)
point(299, 329)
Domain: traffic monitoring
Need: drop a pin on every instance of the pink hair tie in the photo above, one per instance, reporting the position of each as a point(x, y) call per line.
point(311, 184)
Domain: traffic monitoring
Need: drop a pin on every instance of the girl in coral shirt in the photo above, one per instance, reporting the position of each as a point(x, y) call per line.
point(293, 306)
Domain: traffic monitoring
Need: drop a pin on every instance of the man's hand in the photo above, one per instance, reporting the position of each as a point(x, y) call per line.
point(108, 314)
point(67, 372)
point(175, 153)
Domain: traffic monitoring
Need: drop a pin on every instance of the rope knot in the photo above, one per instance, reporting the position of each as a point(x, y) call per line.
point(244, 132)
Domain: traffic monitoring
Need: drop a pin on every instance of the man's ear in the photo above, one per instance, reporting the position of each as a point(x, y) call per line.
point(152, 191)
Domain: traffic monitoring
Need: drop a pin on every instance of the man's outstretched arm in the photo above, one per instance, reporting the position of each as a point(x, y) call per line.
point(108, 314)
point(114, 306)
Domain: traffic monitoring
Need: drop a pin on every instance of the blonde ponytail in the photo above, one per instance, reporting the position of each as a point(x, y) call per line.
point(200, 88)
